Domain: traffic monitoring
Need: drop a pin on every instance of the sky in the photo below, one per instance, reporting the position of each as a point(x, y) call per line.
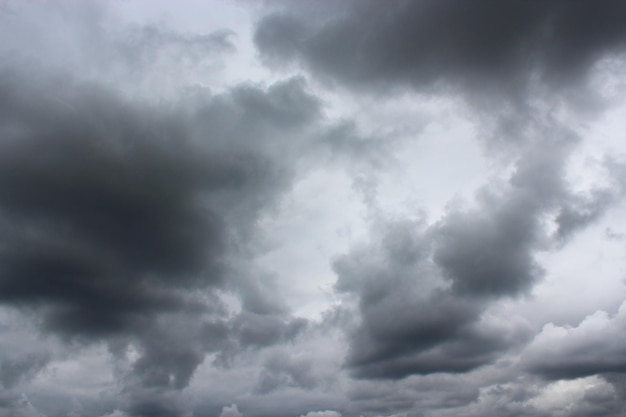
point(297, 208)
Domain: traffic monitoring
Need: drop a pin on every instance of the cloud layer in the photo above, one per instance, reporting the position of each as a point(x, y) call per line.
point(201, 220)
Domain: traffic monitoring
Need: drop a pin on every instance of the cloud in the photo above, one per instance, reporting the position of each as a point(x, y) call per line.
point(119, 219)
point(327, 413)
point(129, 221)
point(284, 369)
point(489, 251)
point(23, 353)
point(12, 404)
point(231, 411)
point(559, 352)
point(264, 330)
point(422, 291)
point(113, 210)
point(584, 210)
point(15, 369)
point(487, 46)
point(94, 42)
point(116, 413)
point(410, 321)
point(583, 397)
point(158, 218)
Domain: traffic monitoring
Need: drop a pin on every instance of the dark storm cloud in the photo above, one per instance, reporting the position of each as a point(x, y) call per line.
point(487, 46)
point(121, 218)
point(99, 222)
point(135, 224)
point(422, 291)
point(411, 323)
point(118, 217)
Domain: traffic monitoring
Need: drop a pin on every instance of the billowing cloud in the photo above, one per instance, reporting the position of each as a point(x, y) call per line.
point(572, 352)
point(422, 291)
point(120, 220)
point(213, 209)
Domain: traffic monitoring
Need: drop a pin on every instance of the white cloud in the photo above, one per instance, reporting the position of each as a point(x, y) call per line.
point(231, 411)
point(326, 413)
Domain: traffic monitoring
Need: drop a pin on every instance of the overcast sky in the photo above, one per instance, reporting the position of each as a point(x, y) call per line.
point(313, 208)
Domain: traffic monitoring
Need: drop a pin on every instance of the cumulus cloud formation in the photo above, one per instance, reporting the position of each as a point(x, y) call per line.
point(117, 219)
point(422, 291)
point(119, 216)
point(235, 210)
point(559, 352)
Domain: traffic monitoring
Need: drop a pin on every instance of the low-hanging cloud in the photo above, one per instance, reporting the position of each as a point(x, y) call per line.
point(155, 177)
point(488, 46)
point(117, 218)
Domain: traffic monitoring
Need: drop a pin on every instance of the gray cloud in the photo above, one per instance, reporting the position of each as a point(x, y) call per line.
point(92, 41)
point(231, 411)
point(422, 291)
point(529, 398)
point(425, 395)
point(282, 370)
point(23, 353)
point(133, 202)
point(411, 322)
point(145, 44)
point(107, 219)
point(489, 251)
point(571, 352)
point(583, 210)
point(117, 217)
point(13, 404)
point(264, 330)
point(124, 221)
point(487, 46)
point(16, 368)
